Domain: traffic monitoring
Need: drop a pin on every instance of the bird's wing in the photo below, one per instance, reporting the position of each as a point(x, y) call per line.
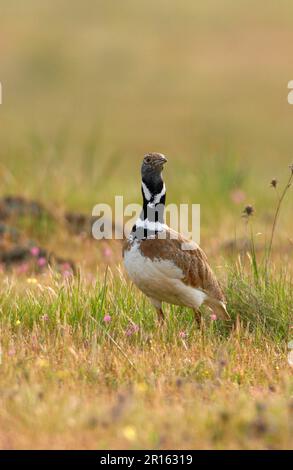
point(187, 256)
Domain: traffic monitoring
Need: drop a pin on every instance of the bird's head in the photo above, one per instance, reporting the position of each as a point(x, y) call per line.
point(152, 166)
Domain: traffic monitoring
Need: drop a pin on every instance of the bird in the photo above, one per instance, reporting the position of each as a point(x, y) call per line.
point(154, 257)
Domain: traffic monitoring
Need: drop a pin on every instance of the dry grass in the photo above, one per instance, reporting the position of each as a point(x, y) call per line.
point(71, 380)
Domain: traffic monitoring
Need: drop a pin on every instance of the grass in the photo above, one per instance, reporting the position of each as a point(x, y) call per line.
point(207, 86)
point(71, 380)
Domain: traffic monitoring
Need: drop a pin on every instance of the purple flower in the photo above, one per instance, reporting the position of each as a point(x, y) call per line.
point(107, 318)
point(22, 268)
point(35, 251)
point(66, 270)
point(237, 196)
point(107, 252)
point(67, 274)
point(131, 329)
point(182, 334)
point(42, 261)
point(45, 317)
point(213, 317)
point(66, 267)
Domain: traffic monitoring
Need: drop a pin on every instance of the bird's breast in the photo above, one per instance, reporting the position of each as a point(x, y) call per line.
point(159, 278)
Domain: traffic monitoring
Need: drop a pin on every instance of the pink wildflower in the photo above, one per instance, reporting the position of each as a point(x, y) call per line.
point(66, 267)
point(35, 251)
point(182, 334)
point(42, 261)
point(213, 317)
point(22, 268)
point(107, 318)
point(107, 252)
point(237, 196)
point(133, 328)
point(66, 274)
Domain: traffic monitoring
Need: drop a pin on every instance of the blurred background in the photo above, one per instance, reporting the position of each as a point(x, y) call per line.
point(89, 87)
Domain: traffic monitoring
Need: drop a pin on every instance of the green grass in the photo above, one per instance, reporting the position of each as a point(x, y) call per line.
point(263, 307)
point(228, 385)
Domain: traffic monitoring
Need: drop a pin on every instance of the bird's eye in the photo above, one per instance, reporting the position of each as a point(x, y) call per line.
point(147, 160)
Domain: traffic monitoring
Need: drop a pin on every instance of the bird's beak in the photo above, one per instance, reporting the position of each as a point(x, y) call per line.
point(162, 160)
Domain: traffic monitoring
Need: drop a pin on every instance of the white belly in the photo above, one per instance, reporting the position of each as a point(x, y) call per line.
point(160, 279)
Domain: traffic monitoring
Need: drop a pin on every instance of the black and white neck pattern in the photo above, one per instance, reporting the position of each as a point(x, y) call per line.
point(151, 219)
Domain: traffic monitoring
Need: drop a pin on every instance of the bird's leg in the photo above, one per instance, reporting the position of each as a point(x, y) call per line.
point(161, 316)
point(197, 317)
point(158, 306)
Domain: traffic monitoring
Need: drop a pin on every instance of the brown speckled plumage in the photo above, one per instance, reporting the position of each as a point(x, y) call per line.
point(193, 263)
